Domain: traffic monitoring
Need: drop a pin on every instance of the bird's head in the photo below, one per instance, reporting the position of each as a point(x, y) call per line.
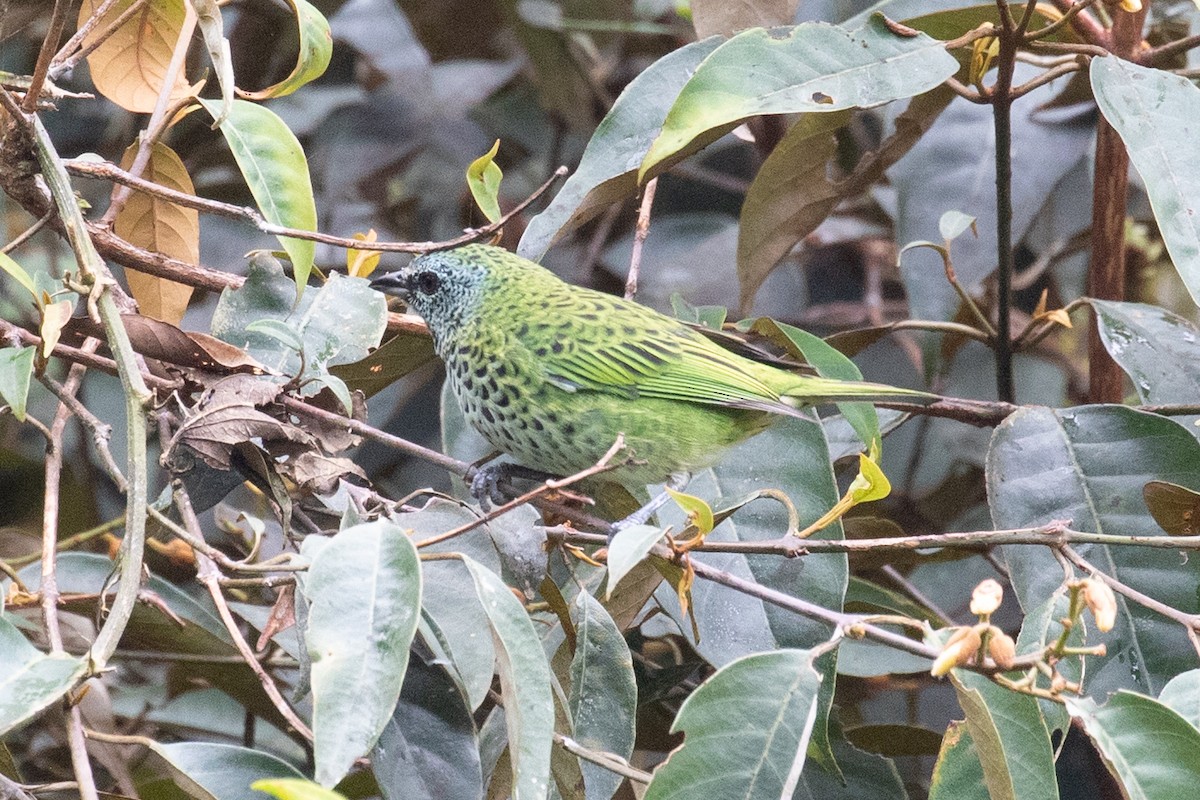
point(444, 287)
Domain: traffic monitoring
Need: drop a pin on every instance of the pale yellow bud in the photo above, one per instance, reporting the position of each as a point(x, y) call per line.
point(1132, 6)
point(1102, 603)
point(1002, 649)
point(986, 598)
point(959, 650)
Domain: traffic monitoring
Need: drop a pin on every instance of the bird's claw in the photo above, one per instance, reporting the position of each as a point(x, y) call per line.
point(485, 485)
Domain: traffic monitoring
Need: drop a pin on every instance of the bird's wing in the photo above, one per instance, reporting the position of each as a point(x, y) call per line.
point(676, 364)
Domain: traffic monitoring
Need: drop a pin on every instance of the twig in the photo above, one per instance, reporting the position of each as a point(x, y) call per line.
point(72, 541)
point(197, 543)
point(28, 233)
point(1191, 622)
point(600, 466)
point(58, 20)
point(1058, 24)
point(101, 431)
point(208, 575)
point(117, 175)
point(639, 238)
point(159, 118)
point(1087, 26)
point(1153, 56)
point(79, 755)
point(610, 761)
point(1046, 77)
point(63, 62)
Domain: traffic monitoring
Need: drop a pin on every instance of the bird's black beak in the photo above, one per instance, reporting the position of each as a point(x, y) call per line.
point(393, 283)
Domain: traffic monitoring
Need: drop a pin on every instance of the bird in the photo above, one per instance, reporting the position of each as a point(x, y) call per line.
point(551, 373)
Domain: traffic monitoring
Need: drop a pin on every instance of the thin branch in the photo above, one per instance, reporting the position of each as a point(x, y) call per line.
point(101, 431)
point(72, 541)
point(114, 173)
point(639, 238)
point(28, 233)
point(1155, 55)
point(610, 761)
point(1087, 26)
point(603, 465)
point(966, 92)
point(63, 62)
point(197, 543)
point(58, 20)
point(208, 575)
point(1046, 77)
point(160, 118)
point(1071, 12)
point(79, 755)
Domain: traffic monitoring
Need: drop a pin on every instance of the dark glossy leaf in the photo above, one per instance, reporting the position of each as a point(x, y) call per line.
point(1089, 465)
point(603, 699)
point(770, 700)
point(429, 748)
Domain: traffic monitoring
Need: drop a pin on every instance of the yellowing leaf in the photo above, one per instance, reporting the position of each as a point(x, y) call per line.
point(483, 179)
point(1058, 315)
point(160, 226)
point(361, 263)
point(54, 317)
point(699, 512)
point(870, 483)
point(983, 53)
point(130, 66)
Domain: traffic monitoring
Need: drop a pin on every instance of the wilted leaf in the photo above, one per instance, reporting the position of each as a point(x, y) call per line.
point(722, 17)
point(316, 49)
point(164, 342)
point(1175, 508)
point(54, 317)
point(162, 227)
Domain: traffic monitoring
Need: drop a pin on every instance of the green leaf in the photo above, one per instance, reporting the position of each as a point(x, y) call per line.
point(603, 699)
point(1159, 351)
point(808, 67)
point(1153, 111)
point(336, 324)
point(483, 179)
point(1011, 739)
point(791, 455)
point(524, 681)
point(31, 680)
point(316, 50)
point(1182, 695)
point(364, 594)
point(958, 773)
point(627, 549)
point(295, 789)
point(746, 730)
point(829, 363)
point(1149, 748)
point(16, 369)
point(607, 172)
point(220, 771)
point(449, 593)
point(1089, 465)
point(429, 747)
point(273, 164)
point(18, 273)
point(212, 28)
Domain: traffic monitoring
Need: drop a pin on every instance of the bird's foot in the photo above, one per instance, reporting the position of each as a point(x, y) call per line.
point(675, 482)
point(485, 482)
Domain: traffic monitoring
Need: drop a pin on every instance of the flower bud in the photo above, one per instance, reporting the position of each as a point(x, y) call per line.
point(986, 598)
point(1002, 648)
point(1132, 6)
point(1102, 603)
point(959, 650)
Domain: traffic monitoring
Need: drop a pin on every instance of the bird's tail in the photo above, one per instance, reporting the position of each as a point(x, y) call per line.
point(812, 391)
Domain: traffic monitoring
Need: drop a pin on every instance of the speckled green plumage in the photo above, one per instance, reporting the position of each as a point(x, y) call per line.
point(551, 373)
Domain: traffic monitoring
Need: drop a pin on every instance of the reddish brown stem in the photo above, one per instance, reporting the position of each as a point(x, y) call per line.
point(1106, 277)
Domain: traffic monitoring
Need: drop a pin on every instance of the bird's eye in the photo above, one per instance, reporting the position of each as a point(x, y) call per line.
point(428, 282)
